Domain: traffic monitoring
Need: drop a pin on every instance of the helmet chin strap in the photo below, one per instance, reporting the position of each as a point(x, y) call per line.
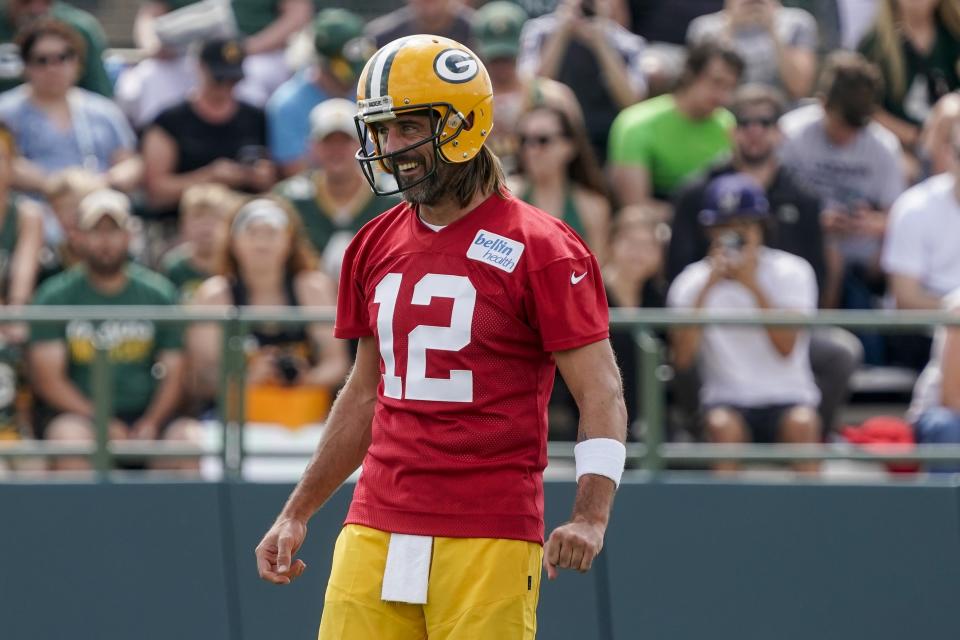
point(368, 162)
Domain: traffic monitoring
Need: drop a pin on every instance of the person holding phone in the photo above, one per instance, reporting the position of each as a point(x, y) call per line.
point(758, 385)
point(579, 44)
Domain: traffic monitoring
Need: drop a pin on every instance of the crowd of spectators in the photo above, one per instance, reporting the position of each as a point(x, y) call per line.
point(715, 154)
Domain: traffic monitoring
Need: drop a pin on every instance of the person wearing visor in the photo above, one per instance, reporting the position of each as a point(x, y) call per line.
point(757, 384)
point(210, 137)
point(465, 301)
point(148, 368)
point(334, 200)
point(341, 51)
point(267, 262)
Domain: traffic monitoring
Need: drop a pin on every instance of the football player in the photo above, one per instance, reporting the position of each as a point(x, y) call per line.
point(465, 301)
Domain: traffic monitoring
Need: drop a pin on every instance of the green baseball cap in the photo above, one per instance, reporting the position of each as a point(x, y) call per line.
point(496, 28)
point(338, 37)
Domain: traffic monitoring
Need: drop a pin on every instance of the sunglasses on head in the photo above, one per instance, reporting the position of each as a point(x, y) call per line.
point(539, 141)
point(766, 123)
point(52, 58)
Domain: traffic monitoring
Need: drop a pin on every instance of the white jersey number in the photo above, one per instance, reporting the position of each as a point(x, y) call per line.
point(459, 386)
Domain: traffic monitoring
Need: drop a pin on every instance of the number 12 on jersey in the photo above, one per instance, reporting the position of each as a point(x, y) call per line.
point(459, 386)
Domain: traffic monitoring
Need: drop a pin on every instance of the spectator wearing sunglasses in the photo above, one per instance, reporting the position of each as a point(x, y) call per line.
point(793, 226)
point(59, 125)
point(559, 173)
point(17, 14)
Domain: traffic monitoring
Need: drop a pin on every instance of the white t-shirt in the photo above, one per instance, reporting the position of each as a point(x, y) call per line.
point(739, 365)
point(927, 391)
point(923, 235)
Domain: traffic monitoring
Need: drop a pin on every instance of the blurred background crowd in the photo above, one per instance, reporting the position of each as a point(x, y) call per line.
point(714, 154)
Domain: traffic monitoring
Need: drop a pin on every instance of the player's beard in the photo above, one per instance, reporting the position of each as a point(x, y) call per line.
point(432, 190)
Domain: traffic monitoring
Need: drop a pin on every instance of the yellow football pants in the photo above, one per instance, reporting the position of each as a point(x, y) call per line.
point(479, 589)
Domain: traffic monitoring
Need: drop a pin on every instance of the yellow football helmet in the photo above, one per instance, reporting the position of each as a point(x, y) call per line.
point(424, 73)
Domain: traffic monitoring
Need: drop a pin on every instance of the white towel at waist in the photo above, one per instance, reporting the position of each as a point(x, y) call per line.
point(408, 569)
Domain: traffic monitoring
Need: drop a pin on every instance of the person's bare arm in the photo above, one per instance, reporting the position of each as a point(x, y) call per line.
point(342, 447)
point(685, 341)
point(950, 384)
point(783, 339)
point(294, 15)
point(593, 378)
point(632, 184)
point(555, 45)
point(797, 66)
point(48, 369)
point(314, 289)
point(204, 340)
point(164, 186)
point(126, 172)
point(143, 34)
point(26, 254)
point(909, 293)
point(28, 175)
point(613, 69)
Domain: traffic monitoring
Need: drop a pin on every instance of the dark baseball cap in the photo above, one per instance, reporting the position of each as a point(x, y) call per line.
point(496, 28)
point(733, 196)
point(224, 58)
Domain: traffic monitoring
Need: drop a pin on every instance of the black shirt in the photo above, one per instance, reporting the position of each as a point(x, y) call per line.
point(242, 138)
point(794, 223)
point(667, 20)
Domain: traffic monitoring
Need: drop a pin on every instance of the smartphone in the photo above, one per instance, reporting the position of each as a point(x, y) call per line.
point(731, 245)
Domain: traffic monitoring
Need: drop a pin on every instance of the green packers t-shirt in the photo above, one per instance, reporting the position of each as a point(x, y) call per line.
point(654, 134)
point(133, 344)
point(93, 75)
point(320, 221)
point(178, 269)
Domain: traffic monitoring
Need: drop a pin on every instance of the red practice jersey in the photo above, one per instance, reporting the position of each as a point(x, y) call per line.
point(466, 319)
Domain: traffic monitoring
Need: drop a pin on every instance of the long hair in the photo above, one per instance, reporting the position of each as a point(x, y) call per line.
point(887, 49)
point(583, 170)
point(300, 256)
point(481, 174)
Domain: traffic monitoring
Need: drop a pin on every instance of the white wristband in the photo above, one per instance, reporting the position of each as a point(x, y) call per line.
point(601, 456)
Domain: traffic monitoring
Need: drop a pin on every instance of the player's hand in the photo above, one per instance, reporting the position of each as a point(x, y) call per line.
point(275, 552)
point(573, 545)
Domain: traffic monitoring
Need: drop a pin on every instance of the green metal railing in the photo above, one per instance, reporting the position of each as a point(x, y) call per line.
point(654, 453)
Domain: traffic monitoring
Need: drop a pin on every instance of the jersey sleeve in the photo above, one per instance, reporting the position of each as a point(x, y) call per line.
point(352, 318)
point(567, 303)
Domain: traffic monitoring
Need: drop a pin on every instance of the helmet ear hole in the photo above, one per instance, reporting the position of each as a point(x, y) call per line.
point(468, 121)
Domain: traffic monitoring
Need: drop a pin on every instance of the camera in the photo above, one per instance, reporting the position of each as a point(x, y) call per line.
point(731, 243)
point(287, 368)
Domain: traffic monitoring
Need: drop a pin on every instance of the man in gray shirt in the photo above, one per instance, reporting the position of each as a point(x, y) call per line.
point(778, 44)
point(854, 165)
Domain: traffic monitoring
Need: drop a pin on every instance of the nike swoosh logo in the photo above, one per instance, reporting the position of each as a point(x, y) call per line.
point(574, 278)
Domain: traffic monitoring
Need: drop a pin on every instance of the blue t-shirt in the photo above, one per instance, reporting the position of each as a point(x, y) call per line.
point(288, 116)
point(98, 130)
